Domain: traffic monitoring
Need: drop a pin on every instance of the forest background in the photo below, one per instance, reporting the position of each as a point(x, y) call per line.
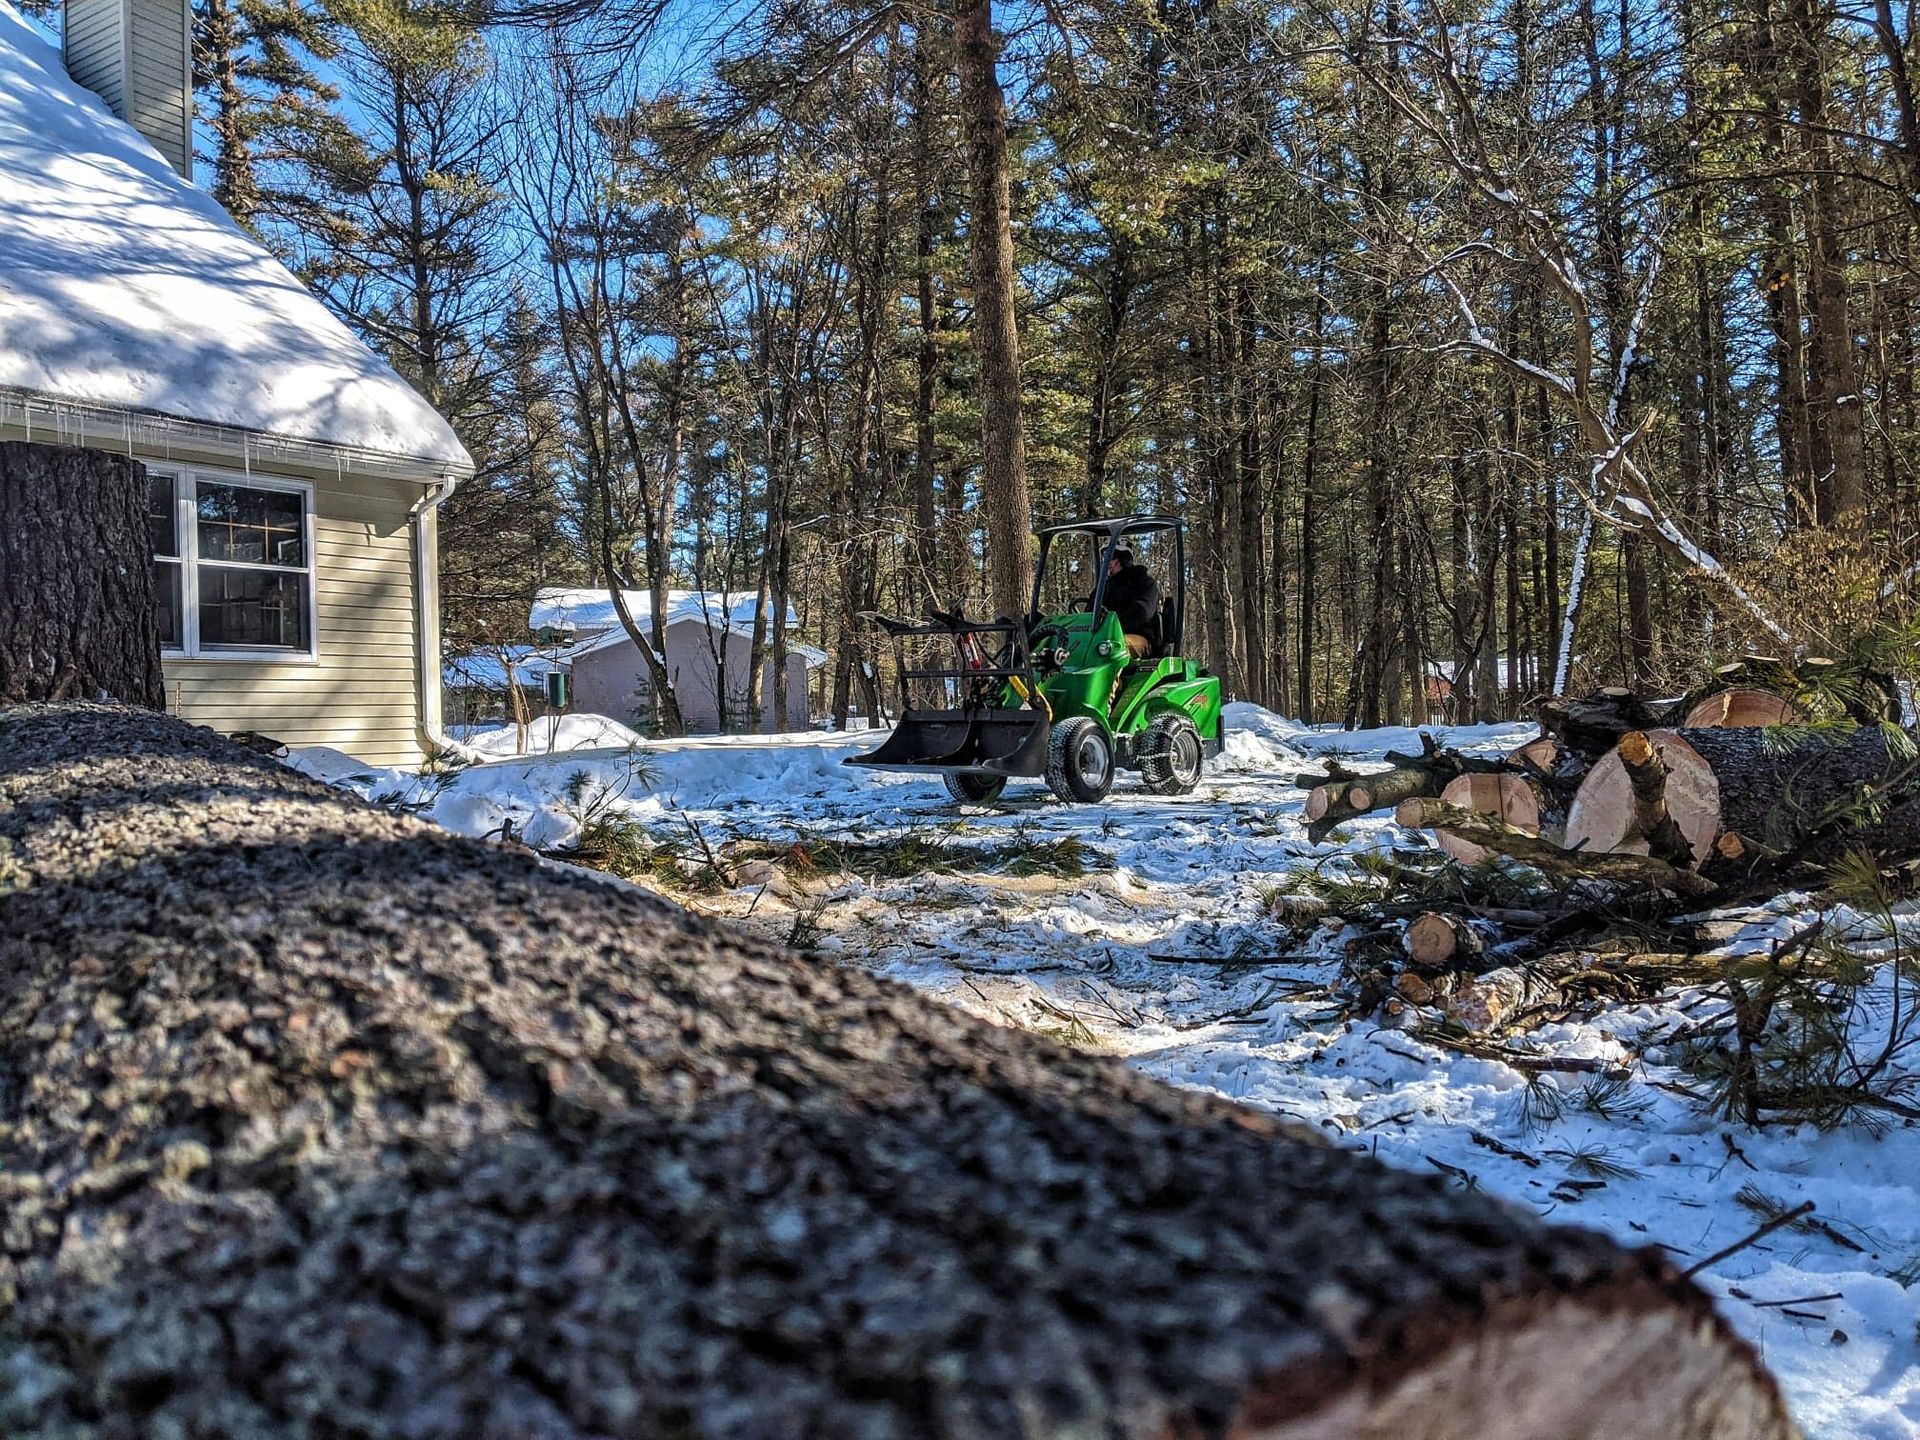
point(1488, 349)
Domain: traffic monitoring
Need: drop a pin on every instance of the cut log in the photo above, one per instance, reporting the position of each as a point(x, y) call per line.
point(1517, 997)
point(1436, 940)
point(1342, 794)
point(1736, 794)
point(77, 611)
point(1299, 909)
point(1605, 818)
point(1490, 1002)
point(1869, 696)
point(1511, 799)
point(1539, 755)
point(314, 1110)
point(1739, 707)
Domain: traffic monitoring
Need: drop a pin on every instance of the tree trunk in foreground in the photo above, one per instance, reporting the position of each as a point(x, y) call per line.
point(77, 619)
point(312, 1109)
point(1003, 455)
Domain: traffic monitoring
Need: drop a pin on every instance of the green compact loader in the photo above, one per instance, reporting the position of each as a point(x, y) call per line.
point(1060, 694)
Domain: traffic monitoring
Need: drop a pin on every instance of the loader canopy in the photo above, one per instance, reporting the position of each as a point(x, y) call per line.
point(1070, 573)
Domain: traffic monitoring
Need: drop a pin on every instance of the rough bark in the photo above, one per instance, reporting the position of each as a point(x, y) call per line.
point(77, 616)
point(1592, 726)
point(320, 1121)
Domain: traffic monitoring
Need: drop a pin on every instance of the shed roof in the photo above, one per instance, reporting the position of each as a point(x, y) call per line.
point(590, 609)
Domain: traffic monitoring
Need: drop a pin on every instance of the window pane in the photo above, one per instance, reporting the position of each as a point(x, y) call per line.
point(166, 600)
point(252, 607)
point(161, 515)
point(255, 527)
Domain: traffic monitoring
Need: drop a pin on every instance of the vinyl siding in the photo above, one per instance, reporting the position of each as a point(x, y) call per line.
point(614, 681)
point(92, 40)
point(133, 55)
point(361, 693)
point(157, 95)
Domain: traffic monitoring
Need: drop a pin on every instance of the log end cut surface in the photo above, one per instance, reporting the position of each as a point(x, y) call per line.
point(1741, 707)
point(1506, 797)
point(1603, 818)
point(316, 1121)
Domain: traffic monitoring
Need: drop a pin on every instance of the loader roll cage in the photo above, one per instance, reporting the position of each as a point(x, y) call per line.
point(1105, 537)
point(990, 654)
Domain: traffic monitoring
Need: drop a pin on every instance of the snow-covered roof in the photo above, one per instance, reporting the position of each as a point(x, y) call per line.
point(124, 288)
point(487, 669)
point(590, 614)
point(589, 611)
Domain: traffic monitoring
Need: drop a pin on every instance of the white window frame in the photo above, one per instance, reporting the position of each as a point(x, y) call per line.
point(186, 527)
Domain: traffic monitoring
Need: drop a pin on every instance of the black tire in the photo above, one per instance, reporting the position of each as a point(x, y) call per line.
point(975, 789)
point(1170, 754)
point(1080, 760)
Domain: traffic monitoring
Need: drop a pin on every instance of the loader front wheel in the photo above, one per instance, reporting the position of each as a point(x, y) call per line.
point(1170, 754)
point(1080, 760)
point(971, 789)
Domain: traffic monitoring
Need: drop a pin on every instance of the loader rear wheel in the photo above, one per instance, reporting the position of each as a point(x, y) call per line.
point(975, 789)
point(1080, 760)
point(1170, 754)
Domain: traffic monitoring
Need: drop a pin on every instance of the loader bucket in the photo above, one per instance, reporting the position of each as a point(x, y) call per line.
point(983, 742)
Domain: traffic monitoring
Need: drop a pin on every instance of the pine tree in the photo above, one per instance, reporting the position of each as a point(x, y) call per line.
point(412, 246)
point(266, 109)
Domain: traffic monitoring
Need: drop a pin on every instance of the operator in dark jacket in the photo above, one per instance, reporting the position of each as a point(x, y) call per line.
point(1134, 596)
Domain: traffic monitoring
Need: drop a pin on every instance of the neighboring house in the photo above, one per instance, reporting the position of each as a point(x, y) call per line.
point(1440, 678)
point(479, 685)
point(294, 475)
point(709, 641)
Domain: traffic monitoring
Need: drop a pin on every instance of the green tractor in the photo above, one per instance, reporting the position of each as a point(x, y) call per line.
point(1060, 694)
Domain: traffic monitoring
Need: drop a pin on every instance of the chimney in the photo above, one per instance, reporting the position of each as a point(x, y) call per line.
point(136, 56)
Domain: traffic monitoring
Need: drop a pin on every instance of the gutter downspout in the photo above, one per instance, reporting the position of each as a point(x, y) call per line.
point(426, 612)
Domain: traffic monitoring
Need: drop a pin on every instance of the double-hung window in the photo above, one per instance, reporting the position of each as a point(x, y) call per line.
point(233, 565)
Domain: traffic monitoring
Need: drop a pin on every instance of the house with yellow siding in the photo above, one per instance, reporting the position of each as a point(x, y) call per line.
point(294, 476)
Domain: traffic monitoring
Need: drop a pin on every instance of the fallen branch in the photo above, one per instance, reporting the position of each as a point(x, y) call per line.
point(1544, 855)
point(1805, 1207)
point(1343, 794)
point(1521, 1060)
point(1647, 781)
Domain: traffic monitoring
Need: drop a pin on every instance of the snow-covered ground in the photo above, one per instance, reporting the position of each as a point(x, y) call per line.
point(1170, 959)
point(548, 735)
